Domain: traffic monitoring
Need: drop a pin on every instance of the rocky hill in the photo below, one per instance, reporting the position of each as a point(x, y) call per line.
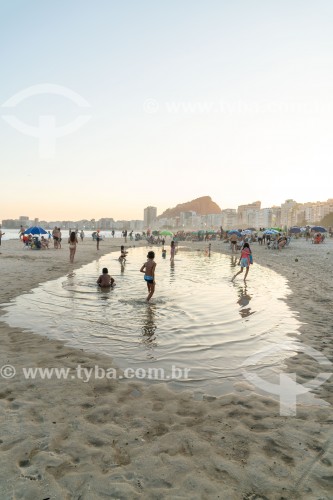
point(202, 206)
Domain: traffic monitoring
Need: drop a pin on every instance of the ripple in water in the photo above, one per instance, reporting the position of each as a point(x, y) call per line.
point(198, 318)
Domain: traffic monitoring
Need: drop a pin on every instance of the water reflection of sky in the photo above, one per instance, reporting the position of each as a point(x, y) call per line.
point(197, 319)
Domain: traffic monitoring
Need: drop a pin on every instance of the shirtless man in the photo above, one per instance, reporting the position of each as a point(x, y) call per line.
point(149, 269)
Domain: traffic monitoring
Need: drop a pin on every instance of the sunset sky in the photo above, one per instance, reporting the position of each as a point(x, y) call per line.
point(180, 99)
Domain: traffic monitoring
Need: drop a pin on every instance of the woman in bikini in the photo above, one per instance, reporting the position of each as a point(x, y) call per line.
point(72, 242)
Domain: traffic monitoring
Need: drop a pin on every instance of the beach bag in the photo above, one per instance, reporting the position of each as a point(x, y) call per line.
point(251, 258)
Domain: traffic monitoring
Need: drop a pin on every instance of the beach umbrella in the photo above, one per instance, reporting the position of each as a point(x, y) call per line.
point(166, 233)
point(155, 233)
point(278, 229)
point(37, 230)
point(246, 231)
point(319, 229)
point(271, 231)
point(295, 230)
point(234, 231)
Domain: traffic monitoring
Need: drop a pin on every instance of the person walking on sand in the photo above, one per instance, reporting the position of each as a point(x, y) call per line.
point(172, 252)
point(244, 261)
point(98, 238)
point(72, 242)
point(81, 234)
point(149, 269)
point(1, 234)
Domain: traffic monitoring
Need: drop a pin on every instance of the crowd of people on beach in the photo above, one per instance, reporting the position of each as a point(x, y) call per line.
point(239, 243)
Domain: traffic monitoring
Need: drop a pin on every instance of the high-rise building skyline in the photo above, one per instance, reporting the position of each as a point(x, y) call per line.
point(149, 216)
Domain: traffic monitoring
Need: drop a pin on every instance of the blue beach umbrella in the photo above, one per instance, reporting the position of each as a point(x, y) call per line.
point(319, 229)
point(295, 230)
point(37, 230)
point(271, 231)
point(246, 231)
point(233, 231)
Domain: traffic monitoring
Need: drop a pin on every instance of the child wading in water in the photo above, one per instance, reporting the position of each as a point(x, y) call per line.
point(105, 280)
point(244, 260)
point(123, 253)
point(149, 269)
point(172, 252)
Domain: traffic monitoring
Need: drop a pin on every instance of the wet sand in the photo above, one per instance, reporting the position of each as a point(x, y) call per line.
point(126, 439)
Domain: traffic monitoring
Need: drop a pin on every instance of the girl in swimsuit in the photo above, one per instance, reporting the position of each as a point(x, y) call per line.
point(244, 260)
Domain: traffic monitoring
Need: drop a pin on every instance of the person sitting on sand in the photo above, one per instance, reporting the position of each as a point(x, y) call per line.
point(44, 242)
point(123, 253)
point(244, 260)
point(105, 280)
point(149, 269)
point(282, 241)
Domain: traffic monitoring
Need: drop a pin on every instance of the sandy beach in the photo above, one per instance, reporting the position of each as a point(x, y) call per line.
point(126, 439)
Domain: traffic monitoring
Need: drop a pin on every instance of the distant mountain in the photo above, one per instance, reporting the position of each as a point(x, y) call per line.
point(202, 206)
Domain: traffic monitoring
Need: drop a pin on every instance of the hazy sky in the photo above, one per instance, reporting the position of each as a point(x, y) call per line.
point(231, 99)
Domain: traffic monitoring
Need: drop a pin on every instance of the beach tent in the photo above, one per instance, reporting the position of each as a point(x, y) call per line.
point(35, 230)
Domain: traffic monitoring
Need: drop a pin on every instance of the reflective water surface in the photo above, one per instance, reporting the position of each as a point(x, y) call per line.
point(197, 319)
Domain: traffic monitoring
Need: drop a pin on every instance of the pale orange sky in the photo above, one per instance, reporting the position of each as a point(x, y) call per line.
point(180, 100)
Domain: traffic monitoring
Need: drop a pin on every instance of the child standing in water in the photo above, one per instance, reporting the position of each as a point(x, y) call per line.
point(123, 253)
point(172, 252)
point(244, 260)
point(149, 269)
point(105, 280)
